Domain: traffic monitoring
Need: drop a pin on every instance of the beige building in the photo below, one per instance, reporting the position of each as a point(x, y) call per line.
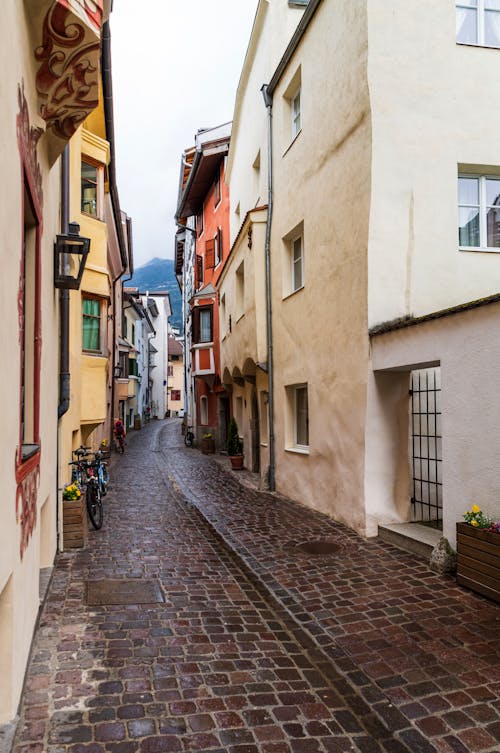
point(37, 119)
point(175, 377)
point(371, 146)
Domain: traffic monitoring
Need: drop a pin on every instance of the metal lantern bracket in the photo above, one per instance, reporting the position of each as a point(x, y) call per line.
point(70, 255)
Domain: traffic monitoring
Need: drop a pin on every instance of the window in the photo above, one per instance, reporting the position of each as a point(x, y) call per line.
point(29, 354)
point(204, 410)
point(479, 211)
point(240, 290)
point(91, 310)
point(199, 222)
point(202, 324)
point(478, 22)
point(132, 367)
point(92, 186)
point(295, 111)
point(217, 192)
point(132, 335)
point(175, 395)
point(218, 246)
point(170, 370)
point(293, 260)
point(222, 317)
point(297, 431)
point(297, 263)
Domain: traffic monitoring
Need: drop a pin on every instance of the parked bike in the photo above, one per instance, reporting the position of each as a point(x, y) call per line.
point(92, 474)
point(189, 436)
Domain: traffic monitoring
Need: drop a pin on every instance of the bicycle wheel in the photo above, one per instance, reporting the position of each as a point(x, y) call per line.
point(94, 504)
point(188, 438)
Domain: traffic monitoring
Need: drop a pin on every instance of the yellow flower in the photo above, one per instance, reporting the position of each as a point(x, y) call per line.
point(475, 508)
point(474, 523)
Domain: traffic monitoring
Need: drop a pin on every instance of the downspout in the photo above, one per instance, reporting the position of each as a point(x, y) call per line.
point(64, 375)
point(268, 101)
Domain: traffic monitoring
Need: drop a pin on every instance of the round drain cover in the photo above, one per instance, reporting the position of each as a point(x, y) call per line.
point(319, 547)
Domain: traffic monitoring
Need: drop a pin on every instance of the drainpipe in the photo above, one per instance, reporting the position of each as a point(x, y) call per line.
point(64, 375)
point(268, 101)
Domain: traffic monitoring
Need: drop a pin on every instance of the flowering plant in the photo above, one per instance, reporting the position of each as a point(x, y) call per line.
point(71, 492)
point(477, 518)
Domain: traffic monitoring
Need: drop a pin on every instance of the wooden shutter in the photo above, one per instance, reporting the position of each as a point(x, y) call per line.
point(199, 270)
point(210, 254)
point(196, 325)
point(219, 244)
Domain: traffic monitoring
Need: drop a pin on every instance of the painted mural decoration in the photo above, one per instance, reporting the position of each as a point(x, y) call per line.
point(67, 77)
point(26, 506)
point(28, 474)
point(27, 139)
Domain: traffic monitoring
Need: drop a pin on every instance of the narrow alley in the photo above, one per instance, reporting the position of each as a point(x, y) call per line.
point(237, 639)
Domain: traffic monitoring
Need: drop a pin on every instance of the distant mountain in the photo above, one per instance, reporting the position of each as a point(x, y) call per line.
point(158, 275)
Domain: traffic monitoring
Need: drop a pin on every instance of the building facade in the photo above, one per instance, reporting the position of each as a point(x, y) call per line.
point(203, 214)
point(175, 377)
point(385, 217)
point(37, 121)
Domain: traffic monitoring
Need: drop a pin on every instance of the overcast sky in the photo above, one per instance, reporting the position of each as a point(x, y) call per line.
point(176, 66)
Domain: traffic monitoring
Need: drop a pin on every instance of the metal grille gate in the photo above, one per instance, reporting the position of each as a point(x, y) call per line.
point(426, 446)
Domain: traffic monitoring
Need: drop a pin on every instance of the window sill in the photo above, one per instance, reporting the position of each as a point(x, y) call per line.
point(28, 450)
point(263, 444)
point(293, 292)
point(478, 249)
point(476, 44)
point(292, 142)
point(298, 450)
point(97, 353)
point(92, 216)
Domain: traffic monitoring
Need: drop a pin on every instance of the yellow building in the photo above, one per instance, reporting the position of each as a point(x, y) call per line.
point(175, 377)
point(96, 308)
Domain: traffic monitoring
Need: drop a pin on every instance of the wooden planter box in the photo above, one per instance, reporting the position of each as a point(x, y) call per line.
point(478, 560)
point(75, 526)
point(208, 446)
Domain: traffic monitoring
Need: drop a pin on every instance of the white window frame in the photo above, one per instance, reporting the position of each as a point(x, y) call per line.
point(481, 8)
point(293, 444)
point(296, 112)
point(294, 288)
point(483, 211)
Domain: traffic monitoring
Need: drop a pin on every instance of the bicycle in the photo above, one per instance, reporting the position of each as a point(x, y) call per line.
point(189, 437)
point(93, 495)
point(85, 473)
point(102, 470)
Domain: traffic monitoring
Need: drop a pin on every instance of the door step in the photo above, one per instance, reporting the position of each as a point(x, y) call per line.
point(411, 537)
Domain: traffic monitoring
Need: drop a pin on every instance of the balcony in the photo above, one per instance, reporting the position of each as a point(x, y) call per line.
point(203, 361)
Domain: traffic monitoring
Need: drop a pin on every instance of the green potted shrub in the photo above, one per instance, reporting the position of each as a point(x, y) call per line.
point(208, 444)
point(234, 445)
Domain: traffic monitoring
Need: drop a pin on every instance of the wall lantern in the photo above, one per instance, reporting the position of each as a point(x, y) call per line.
point(117, 372)
point(70, 255)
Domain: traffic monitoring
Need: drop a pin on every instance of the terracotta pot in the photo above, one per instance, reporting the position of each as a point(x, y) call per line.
point(236, 462)
point(478, 560)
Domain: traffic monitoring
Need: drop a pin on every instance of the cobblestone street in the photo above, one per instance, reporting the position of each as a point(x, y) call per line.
point(251, 645)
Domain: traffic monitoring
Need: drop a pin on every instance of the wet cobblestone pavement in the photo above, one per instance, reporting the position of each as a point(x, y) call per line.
point(257, 647)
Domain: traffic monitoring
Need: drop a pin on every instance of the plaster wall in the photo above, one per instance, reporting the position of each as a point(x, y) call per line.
point(322, 188)
point(19, 577)
point(432, 110)
point(273, 28)
point(159, 373)
point(467, 346)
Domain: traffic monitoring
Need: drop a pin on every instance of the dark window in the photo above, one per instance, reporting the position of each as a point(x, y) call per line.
point(217, 188)
point(90, 183)
point(202, 324)
point(199, 271)
point(175, 395)
point(199, 222)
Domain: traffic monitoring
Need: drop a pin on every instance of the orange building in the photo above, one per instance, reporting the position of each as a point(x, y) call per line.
point(202, 246)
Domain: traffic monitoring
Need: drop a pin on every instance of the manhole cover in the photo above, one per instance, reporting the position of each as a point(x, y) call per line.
point(319, 547)
point(104, 592)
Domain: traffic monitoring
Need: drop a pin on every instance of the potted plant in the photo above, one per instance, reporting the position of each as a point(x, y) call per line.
point(75, 527)
point(71, 492)
point(478, 553)
point(234, 446)
point(208, 444)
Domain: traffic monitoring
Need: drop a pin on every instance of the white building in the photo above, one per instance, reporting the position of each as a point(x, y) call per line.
point(159, 309)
